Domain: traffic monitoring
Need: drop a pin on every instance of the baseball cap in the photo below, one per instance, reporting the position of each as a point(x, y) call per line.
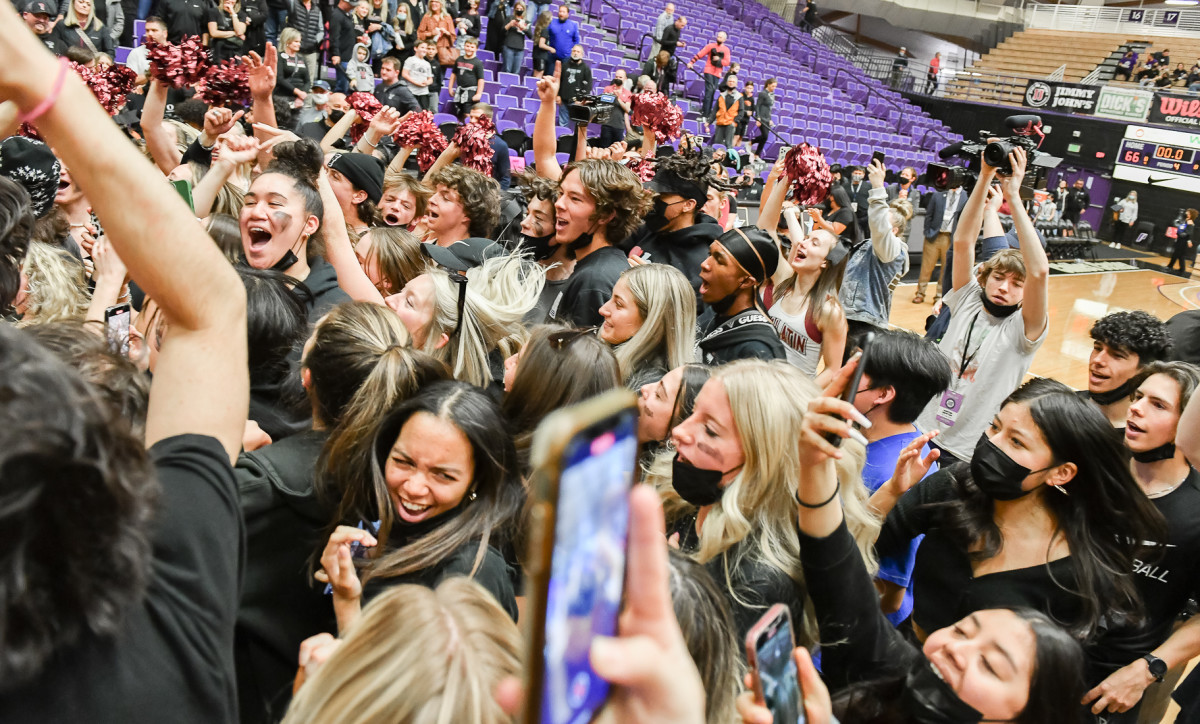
point(461, 255)
point(31, 164)
point(39, 7)
point(322, 84)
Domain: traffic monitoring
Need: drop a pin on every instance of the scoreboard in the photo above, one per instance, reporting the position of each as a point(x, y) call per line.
point(1170, 159)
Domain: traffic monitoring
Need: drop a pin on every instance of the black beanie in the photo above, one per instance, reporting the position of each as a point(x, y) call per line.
point(365, 172)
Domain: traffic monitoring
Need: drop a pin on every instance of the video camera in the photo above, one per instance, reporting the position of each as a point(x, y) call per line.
point(1026, 133)
point(591, 109)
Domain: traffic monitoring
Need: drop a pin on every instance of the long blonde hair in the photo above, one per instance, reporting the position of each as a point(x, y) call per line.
point(768, 400)
point(57, 286)
point(667, 304)
point(500, 292)
point(72, 20)
point(417, 656)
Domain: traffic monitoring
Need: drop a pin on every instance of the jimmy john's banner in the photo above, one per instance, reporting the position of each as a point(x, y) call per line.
point(1124, 104)
point(1051, 95)
point(1177, 110)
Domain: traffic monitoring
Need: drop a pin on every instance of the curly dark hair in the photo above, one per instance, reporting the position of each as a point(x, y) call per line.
point(533, 187)
point(478, 194)
point(1139, 332)
point(691, 166)
point(16, 226)
point(77, 494)
point(616, 191)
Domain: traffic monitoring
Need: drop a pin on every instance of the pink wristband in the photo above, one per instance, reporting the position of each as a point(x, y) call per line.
point(50, 99)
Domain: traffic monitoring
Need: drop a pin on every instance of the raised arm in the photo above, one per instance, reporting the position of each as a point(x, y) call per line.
point(1036, 304)
point(884, 243)
point(339, 131)
point(159, 140)
point(775, 190)
point(339, 252)
point(544, 142)
point(262, 85)
point(967, 231)
point(201, 385)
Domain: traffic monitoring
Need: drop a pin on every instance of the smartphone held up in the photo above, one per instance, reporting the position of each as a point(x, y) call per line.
point(584, 458)
point(769, 647)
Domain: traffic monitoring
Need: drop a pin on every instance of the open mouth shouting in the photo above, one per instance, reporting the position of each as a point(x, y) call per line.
point(412, 512)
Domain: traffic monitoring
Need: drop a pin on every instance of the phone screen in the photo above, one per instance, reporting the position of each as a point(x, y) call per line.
point(587, 568)
point(777, 673)
point(851, 390)
point(878, 156)
point(116, 322)
point(184, 188)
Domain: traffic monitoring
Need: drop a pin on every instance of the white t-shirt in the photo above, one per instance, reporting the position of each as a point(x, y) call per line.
point(997, 357)
point(801, 338)
point(138, 61)
point(420, 70)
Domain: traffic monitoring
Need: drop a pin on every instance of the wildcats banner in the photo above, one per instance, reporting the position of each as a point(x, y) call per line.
point(1054, 96)
point(1124, 104)
point(1176, 110)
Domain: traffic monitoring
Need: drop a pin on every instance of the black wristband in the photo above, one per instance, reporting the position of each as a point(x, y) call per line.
point(823, 503)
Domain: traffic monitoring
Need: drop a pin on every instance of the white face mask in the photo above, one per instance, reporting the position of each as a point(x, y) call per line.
point(320, 99)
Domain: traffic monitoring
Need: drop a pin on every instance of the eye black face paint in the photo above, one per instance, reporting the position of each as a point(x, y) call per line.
point(283, 218)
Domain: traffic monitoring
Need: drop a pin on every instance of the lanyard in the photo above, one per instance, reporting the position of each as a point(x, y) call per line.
point(967, 359)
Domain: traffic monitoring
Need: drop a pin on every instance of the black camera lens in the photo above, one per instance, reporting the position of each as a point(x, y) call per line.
point(996, 155)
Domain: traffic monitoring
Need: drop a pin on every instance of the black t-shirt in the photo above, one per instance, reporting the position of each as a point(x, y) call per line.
point(945, 588)
point(184, 17)
point(468, 72)
point(224, 21)
point(670, 39)
point(54, 43)
point(1166, 579)
point(590, 286)
point(173, 659)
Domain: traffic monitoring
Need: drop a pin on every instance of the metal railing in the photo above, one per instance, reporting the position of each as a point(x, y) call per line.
point(1170, 22)
point(593, 9)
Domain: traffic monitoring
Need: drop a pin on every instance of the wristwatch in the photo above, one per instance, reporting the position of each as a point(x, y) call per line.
point(1158, 667)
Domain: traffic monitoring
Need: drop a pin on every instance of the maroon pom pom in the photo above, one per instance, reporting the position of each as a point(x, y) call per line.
point(366, 105)
point(806, 168)
point(419, 131)
point(474, 141)
point(178, 65)
point(27, 130)
point(110, 85)
point(643, 168)
point(226, 85)
point(655, 112)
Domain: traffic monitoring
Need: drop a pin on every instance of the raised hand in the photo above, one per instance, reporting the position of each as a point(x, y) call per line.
point(1011, 184)
point(828, 414)
point(106, 263)
point(262, 71)
point(236, 150)
point(875, 173)
point(547, 87)
point(385, 121)
point(219, 121)
point(911, 467)
point(314, 652)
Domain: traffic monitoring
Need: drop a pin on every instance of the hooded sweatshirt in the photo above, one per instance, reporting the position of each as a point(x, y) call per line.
point(362, 78)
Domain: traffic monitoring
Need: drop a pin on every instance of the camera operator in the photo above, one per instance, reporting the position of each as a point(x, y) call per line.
point(989, 345)
point(617, 125)
point(576, 81)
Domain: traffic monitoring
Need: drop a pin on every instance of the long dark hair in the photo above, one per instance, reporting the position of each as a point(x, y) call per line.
point(496, 487)
point(1104, 517)
point(1056, 684)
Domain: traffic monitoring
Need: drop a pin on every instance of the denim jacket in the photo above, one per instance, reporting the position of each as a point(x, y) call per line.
point(866, 294)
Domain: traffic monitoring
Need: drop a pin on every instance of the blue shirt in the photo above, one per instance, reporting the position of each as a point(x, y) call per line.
point(881, 463)
point(564, 35)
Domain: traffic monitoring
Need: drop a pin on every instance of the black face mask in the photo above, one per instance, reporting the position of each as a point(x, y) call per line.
point(584, 240)
point(696, 486)
point(657, 220)
point(286, 262)
point(996, 474)
point(335, 116)
point(1122, 392)
point(997, 310)
point(928, 699)
point(1165, 451)
point(539, 246)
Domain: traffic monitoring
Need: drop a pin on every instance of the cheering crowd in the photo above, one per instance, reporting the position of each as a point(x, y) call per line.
point(294, 487)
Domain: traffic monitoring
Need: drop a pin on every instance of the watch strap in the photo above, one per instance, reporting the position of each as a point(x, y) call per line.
point(1158, 667)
